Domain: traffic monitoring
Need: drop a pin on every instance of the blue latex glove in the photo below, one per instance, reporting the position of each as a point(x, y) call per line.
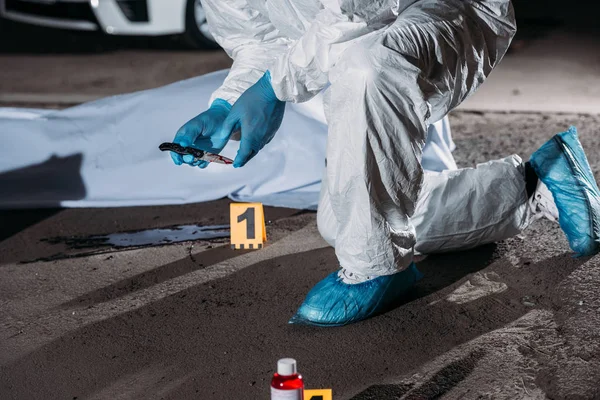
point(203, 132)
point(257, 114)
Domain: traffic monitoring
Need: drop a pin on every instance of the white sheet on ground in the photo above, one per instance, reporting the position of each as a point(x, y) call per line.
point(105, 154)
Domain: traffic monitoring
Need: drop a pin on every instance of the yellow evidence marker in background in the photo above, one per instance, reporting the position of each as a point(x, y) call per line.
point(318, 394)
point(247, 222)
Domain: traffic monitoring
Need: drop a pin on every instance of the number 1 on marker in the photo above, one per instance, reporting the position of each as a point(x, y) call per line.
point(249, 217)
point(247, 226)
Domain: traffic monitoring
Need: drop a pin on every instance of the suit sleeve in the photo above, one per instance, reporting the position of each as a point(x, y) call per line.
point(249, 38)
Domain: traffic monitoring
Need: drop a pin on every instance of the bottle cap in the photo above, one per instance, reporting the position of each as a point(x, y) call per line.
point(286, 366)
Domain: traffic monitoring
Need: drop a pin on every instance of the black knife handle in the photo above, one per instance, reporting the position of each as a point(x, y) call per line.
point(174, 147)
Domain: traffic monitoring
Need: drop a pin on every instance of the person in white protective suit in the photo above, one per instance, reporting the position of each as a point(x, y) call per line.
point(388, 69)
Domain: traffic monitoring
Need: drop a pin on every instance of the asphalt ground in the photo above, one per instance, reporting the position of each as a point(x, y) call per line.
point(519, 319)
point(58, 68)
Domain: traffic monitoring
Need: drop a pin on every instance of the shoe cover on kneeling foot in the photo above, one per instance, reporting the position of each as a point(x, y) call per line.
point(563, 167)
point(334, 303)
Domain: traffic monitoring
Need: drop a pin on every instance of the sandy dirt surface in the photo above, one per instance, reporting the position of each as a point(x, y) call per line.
point(518, 319)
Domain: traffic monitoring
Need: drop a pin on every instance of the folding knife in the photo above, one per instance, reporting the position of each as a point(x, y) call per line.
point(199, 155)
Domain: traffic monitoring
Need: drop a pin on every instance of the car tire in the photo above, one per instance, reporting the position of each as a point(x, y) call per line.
point(196, 28)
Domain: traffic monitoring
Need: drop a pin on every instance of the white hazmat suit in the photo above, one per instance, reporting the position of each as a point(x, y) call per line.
point(388, 68)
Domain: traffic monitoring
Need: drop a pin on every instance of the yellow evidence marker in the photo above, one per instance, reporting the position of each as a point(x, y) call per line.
point(247, 222)
point(318, 394)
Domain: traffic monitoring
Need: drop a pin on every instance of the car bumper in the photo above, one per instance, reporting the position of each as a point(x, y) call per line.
point(89, 15)
point(76, 15)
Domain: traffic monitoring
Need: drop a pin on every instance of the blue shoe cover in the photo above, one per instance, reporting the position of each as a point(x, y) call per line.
point(335, 303)
point(563, 167)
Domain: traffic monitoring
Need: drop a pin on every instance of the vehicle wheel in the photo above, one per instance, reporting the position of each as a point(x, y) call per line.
point(197, 33)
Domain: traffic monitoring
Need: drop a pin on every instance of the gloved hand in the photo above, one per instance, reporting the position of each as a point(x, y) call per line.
point(257, 114)
point(203, 132)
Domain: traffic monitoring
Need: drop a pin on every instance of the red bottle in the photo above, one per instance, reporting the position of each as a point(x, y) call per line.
point(287, 384)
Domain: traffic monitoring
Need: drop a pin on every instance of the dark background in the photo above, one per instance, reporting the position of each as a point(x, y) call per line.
point(534, 18)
